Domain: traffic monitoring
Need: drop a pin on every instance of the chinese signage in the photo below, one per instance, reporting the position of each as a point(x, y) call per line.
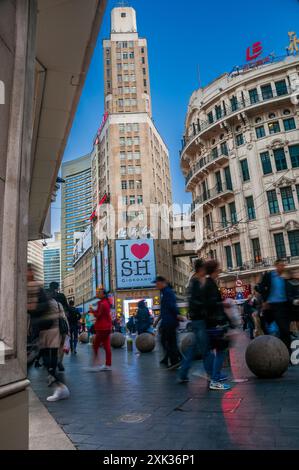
point(106, 267)
point(135, 263)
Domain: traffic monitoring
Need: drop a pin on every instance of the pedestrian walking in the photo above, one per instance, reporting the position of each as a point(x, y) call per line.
point(278, 298)
point(198, 324)
point(103, 328)
point(46, 312)
point(217, 324)
point(249, 310)
point(90, 321)
point(55, 294)
point(74, 317)
point(168, 324)
point(144, 321)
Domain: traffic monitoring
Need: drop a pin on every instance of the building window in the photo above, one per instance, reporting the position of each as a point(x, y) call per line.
point(260, 132)
point(214, 152)
point(218, 112)
point(130, 170)
point(144, 71)
point(139, 199)
point(123, 15)
point(289, 124)
point(253, 96)
point(229, 258)
point(281, 88)
point(123, 185)
point(228, 178)
point(233, 213)
point(138, 184)
point(293, 237)
point(239, 140)
point(210, 117)
point(250, 208)
point(274, 127)
point(122, 141)
point(121, 128)
point(122, 155)
point(223, 148)
point(208, 222)
point(256, 249)
point(219, 187)
point(272, 202)
point(280, 159)
point(294, 154)
point(287, 199)
point(279, 245)
point(132, 55)
point(144, 82)
point(267, 91)
point(266, 163)
point(132, 200)
point(297, 190)
point(245, 170)
point(136, 141)
point(125, 200)
point(142, 50)
point(234, 103)
point(223, 216)
point(238, 254)
point(122, 170)
point(131, 184)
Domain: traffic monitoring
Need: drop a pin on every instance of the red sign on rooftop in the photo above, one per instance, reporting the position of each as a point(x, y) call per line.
point(254, 51)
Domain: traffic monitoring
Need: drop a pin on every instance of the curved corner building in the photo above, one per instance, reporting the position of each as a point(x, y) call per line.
point(240, 158)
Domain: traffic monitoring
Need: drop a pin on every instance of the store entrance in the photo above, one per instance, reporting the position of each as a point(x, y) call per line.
point(131, 307)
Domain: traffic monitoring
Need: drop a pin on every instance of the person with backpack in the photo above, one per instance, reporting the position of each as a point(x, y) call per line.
point(143, 319)
point(74, 317)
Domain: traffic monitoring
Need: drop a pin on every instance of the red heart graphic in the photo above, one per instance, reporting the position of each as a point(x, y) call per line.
point(140, 251)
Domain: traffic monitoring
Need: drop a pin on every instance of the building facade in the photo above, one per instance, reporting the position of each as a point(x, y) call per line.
point(35, 257)
point(76, 204)
point(51, 259)
point(85, 288)
point(130, 161)
point(240, 158)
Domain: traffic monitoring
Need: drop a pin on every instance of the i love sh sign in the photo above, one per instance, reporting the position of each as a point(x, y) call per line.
point(135, 263)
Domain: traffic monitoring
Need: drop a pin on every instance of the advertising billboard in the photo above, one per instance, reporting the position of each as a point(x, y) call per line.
point(135, 263)
point(83, 244)
point(106, 267)
point(99, 269)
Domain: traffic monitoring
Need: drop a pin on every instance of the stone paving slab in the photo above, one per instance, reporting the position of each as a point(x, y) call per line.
point(255, 414)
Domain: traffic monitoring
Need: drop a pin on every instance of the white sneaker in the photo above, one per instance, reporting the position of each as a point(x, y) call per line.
point(105, 368)
point(219, 386)
point(61, 393)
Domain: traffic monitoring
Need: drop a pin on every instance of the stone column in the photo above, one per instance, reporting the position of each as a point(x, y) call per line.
point(17, 54)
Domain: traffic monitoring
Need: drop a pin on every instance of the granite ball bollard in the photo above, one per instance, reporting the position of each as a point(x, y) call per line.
point(187, 341)
point(267, 357)
point(83, 337)
point(145, 342)
point(117, 340)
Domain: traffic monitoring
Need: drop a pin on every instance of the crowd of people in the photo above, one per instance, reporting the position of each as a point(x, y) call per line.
point(270, 309)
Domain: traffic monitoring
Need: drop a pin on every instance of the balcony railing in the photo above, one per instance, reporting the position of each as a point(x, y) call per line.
point(219, 190)
point(232, 109)
point(204, 162)
point(259, 264)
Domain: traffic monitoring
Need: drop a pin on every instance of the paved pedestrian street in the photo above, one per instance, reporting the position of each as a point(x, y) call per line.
point(139, 405)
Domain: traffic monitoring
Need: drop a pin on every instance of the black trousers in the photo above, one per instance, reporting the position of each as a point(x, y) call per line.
point(169, 344)
point(280, 314)
point(50, 360)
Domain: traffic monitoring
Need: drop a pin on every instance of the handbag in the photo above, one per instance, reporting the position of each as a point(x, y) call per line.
point(63, 324)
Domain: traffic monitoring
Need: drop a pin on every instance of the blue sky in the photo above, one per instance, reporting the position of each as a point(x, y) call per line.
point(182, 38)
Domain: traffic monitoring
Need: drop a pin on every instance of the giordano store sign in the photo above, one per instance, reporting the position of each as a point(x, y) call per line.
point(255, 51)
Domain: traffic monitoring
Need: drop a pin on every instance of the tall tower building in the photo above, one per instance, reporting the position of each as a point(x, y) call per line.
point(76, 207)
point(35, 257)
point(130, 161)
point(52, 261)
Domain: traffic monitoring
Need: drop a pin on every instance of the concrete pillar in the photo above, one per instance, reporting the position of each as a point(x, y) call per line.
point(17, 55)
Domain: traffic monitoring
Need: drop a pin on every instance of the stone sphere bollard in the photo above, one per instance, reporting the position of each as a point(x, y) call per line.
point(267, 357)
point(83, 337)
point(145, 342)
point(117, 340)
point(186, 342)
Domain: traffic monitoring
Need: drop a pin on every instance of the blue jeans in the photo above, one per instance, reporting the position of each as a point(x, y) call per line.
point(214, 360)
point(201, 342)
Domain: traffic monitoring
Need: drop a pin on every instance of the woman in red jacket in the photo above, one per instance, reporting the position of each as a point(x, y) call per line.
point(103, 328)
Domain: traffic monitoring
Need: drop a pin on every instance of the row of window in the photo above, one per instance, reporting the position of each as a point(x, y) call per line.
point(130, 127)
point(127, 102)
point(130, 170)
point(131, 184)
point(124, 44)
point(121, 67)
point(129, 141)
point(129, 155)
point(287, 199)
point(127, 90)
point(130, 200)
point(125, 55)
point(126, 78)
point(274, 127)
point(280, 248)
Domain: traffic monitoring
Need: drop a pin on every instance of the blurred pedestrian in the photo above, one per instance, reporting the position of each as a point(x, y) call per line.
point(74, 317)
point(90, 321)
point(144, 320)
point(217, 324)
point(103, 328)
point(168, 324)
point(55, 294)
point(197, 316)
